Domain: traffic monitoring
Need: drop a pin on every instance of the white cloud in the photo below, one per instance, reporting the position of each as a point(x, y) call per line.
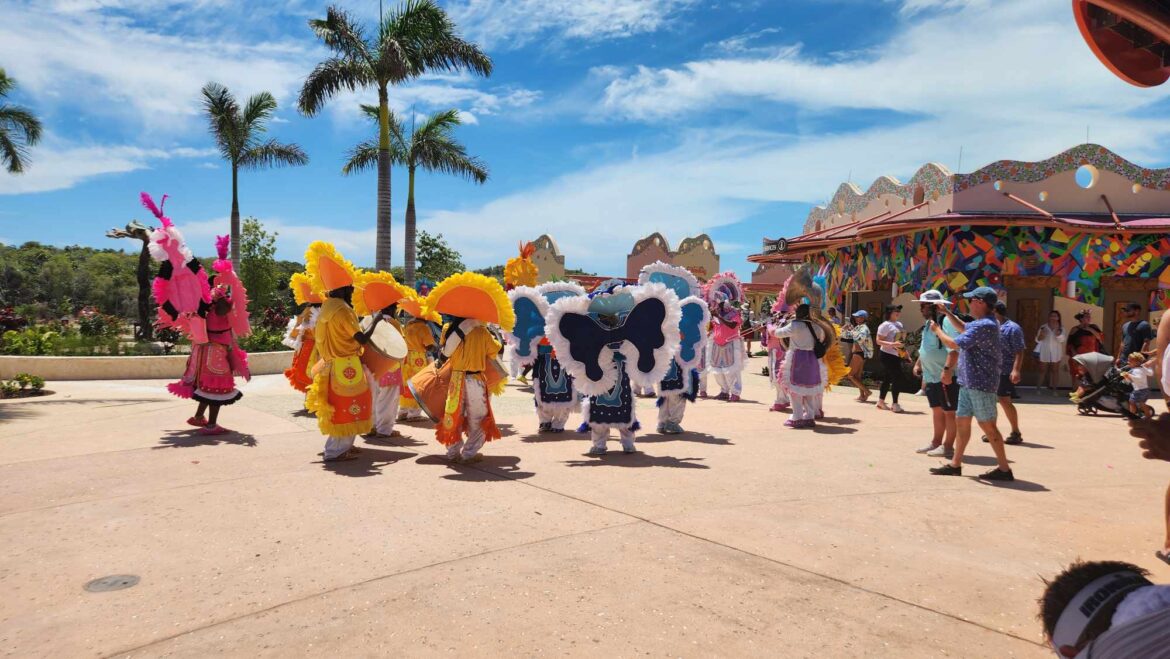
point(990, 64)
point(107, 62)
point(468, 118)
point(293, 238)
point(58, 164)
point(429, 96)
point(516, 23)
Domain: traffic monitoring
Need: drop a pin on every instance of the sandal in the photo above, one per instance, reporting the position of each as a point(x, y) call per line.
point(213, 430)
point(198, 422)
point(1163, 555)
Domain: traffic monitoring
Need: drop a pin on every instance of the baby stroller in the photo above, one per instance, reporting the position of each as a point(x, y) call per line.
point(1105, 389)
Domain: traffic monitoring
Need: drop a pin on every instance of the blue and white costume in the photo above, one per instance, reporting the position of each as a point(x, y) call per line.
point(617, 338)
point(681, 382)
point(553, 391)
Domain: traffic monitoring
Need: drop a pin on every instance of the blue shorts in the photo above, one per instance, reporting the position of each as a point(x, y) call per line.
point(978, 404)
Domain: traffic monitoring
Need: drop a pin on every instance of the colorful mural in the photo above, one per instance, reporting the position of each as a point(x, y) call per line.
point(956, 259)
point(1084, 154)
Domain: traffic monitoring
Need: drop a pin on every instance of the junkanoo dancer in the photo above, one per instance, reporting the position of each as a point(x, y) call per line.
point(520, 271)
point(553, 390)
point(300, 333)
point(803, 373)
point(776, 354)
point(340, 395)
point(471, 301)
point(211, 369)
point(726, 354)
point(380, 293)
point(681, 383)
point(618, 337)
point(420, 343)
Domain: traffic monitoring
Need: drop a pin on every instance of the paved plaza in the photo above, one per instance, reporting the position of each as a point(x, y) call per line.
point(738, 538)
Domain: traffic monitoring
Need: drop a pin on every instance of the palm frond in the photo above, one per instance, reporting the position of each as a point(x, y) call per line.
point(371, 111)
point(6, 84)
point(223, 119)
point(360, 158)
point(258, 110)
point(434, 148)
point(273, 154)
point(341, 34)
point(329, 78)
point(13, 154)
point(21, 120)
point(419, 37)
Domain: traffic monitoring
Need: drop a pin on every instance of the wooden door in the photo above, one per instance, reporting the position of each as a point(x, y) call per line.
point(1028, 315)
point(1118, 321)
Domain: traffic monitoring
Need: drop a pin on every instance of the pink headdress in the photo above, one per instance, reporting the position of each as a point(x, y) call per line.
point(781, 303)
point(227, 278)
point(181, 285)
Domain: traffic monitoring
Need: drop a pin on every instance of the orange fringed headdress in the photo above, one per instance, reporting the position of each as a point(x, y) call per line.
point(327, 268)
point(521, 271)
point(302, 289)
point(374, 291)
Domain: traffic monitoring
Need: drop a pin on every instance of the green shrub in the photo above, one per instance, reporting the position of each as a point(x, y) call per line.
point(263, 340)
point(9, 388)
point(95, 324)
point(30, 341)
point(29, 381)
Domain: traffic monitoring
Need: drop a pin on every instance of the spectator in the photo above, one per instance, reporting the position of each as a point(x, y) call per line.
point(1011, 344)
point(1136, 333)
point(1106, 610)
point(1050, 349)
point(1084, 338)
point(934, 359)
point(1138, 373)
point(860, 346)
point(889, 340)
point(834, 316)
point(979, 365)
point(1155, 444)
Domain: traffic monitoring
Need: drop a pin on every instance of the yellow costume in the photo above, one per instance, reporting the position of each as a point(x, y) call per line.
point(468, 362)
point(339, 395)
point(418, 339)
point(835, 361)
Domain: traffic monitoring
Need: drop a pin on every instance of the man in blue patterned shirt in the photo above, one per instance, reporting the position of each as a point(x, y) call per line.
point(979, 367)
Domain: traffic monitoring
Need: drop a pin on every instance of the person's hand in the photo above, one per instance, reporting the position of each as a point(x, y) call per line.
point(896, 344)
point(1015, 377)
point(1155, 436)
point(917, 370)
point(947, 378)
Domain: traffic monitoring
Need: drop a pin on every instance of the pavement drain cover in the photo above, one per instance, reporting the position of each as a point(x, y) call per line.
point(112, 582)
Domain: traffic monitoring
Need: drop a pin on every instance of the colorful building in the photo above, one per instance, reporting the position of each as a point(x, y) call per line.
point(1084, 229)
point(696, 254)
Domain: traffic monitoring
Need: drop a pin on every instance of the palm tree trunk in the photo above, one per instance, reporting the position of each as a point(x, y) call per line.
point(410, 230)
point(235, 218)
point(145, 326)
point(382, 251)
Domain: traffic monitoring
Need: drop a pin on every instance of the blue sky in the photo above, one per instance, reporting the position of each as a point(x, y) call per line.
point(604, 120)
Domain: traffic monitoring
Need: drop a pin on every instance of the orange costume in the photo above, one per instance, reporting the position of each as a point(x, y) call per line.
point(299, 374)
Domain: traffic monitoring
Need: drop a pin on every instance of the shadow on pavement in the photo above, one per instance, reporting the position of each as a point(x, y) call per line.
point(402, 441)
point(1021, 485)
point(619, 459)
point(685, 436)
point(823, 428)
point(190, 438)
point(303, 413)
point(839, 420)
point(493, 468)
point(542, 437)
point(368, 462)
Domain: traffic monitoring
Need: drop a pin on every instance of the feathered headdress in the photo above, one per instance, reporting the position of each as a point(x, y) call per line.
point(472, 295)
point(520, 270)
point(302, 289)
point(374, 291)
point(227, 280)
point(181, 287)
point(327, 268)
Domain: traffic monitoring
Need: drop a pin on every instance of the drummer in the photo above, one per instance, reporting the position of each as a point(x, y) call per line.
point(419, 343)
point(378, 295)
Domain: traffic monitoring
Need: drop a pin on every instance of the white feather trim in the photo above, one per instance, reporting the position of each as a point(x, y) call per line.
point(552, 327)
point(533, 295)
point(664, 354)
point(561, 287)
point(673, 270)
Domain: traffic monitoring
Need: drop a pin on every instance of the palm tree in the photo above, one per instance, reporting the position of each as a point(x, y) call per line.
point(239, 133)
point(19, 130)
point(414, 38)
point(431, 146)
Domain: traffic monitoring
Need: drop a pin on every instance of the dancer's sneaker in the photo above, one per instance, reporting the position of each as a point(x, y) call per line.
point(791, 424)
point(897, 408)
point(1014, 438)
point(947, 470)
point(198, 422)
point(926, 449)
point(881, 405)
point(213, 430)
point(594, 450)
point(733, 398)
point(722, 396)
point(780, 407)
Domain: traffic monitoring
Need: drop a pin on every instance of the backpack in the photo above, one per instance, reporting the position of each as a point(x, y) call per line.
point(819, 347)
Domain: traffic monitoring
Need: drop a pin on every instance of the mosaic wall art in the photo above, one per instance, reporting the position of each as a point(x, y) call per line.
point(1085, 154)
point(849, 198)
point(956, 259)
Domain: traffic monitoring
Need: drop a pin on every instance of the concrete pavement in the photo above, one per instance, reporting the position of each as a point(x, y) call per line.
point(737, 538)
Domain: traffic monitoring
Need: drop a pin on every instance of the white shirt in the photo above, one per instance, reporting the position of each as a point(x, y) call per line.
point(1140, 376)
point(1051, 344)
point(798, 334)
point(888, 332)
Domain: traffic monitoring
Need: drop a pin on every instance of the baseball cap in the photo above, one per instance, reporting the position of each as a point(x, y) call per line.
point(985, 293)
point(932, 297)
point(860, 313)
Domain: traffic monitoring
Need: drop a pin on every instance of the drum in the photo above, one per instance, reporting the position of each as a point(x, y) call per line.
point(429, 388)
point(386, 349)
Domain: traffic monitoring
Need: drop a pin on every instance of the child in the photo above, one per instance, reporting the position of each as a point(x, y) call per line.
point(1138, 374)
